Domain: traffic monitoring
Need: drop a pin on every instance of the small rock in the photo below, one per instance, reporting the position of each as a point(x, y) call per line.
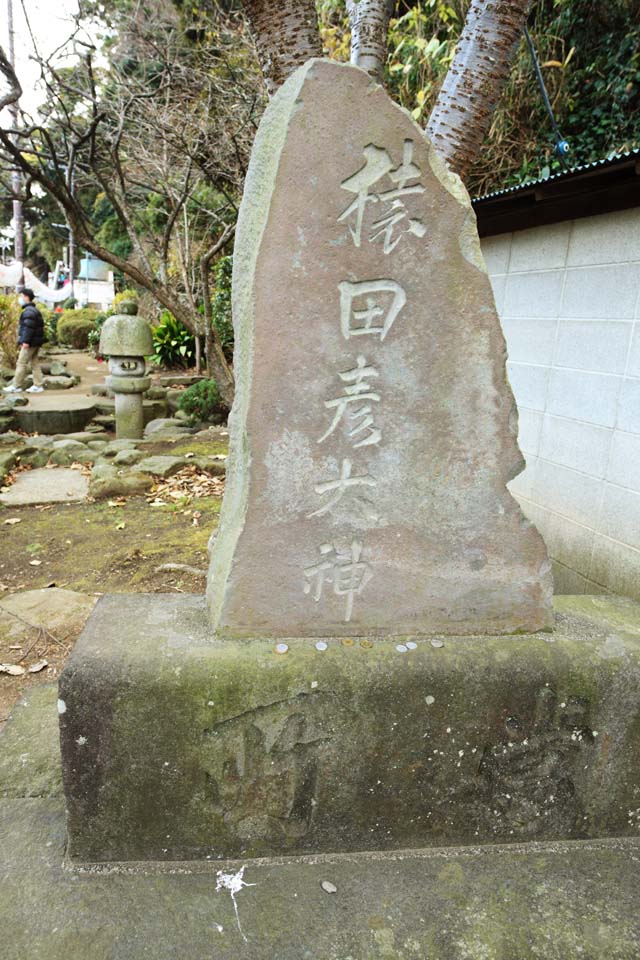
point(166, 426)
point(329, 887)
point(7, 463)
point(58, 383)
point(100, 390)
point(37, 443)
point(156, 393)
point(215, 468)
point(126, 458)
point(83, 437)
point(58, 368)
point(108, 481)
point(116, 446)
point(65, 452)
point(161, 466)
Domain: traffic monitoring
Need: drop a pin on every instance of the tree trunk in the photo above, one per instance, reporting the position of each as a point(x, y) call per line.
point(216, 361)
point(472, 86)
point(286, 36)
point(369, 23)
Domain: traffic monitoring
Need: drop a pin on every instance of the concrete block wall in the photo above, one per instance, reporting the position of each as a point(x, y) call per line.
point(568, 296)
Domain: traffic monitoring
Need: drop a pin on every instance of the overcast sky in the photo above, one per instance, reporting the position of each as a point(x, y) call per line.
point(51, 25)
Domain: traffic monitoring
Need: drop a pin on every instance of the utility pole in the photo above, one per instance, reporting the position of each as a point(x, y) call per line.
point(16, 180)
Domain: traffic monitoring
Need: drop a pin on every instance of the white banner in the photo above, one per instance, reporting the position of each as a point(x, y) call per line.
point(43, 292)
point(10, 274)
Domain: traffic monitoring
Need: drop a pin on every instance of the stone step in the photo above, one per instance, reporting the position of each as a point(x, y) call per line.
point(532, 901)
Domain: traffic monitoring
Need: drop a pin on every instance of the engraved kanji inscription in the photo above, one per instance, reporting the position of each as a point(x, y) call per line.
point(393, 201)
point(344, 571)
point(354, 405)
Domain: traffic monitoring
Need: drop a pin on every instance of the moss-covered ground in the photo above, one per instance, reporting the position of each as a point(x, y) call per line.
point(113, 546)
point(107, 546)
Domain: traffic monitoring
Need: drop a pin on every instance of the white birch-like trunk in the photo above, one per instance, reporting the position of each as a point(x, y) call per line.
point(369, 23)
point(286, 36)
point(471, 89)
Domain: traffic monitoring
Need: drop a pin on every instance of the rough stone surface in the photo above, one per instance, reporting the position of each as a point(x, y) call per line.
point(58, 383)
point(156, 393)
point(126, 336)
point(110, 481)
point(74, 413)
point(178, 747)
point(101, 390)
point(374, 429)
point(65, 452)
point(160, 466)
point(549, 902)
point(7, 463)
point(63, 612)
point(46, 486)
point(126, 458)
point(29, 746)
point(165, 425)
point(116, 446)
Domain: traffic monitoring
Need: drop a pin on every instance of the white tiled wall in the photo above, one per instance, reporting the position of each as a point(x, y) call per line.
point(569, 299)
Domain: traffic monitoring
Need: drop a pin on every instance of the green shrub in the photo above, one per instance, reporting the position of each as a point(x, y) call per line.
point(74, 327)
point(221, 305)
point(9, 315)
point(173, 344)
point(94, 335)
point(69, 303)
point(120, 297)
point(202, 401)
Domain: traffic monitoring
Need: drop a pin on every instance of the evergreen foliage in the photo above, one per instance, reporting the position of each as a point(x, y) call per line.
point(74, 327)
point(201, 401)
point(221, 304)
point(173, 344)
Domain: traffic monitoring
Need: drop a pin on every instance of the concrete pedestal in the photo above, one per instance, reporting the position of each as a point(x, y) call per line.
point(177, 747)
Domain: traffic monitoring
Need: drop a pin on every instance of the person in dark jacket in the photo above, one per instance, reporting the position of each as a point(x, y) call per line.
point(30, 339)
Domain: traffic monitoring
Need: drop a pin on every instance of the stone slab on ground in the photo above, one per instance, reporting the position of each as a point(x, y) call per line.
point(179, 747)
point(60, 485)
point(538, 902)
point(62, 612)
point(50, 412)
point(30, 747)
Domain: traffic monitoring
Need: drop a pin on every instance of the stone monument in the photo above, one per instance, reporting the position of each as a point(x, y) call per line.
point(374, 429)
point(355, 681)
point(126, 340)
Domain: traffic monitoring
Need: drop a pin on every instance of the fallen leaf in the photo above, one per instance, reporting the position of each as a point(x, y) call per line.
point(37, 667)
point(12, 669)
point(35, 563)
point(13, 520)
point(120, 526)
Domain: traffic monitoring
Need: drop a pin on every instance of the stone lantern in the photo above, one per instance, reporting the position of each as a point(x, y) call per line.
point(126, 340)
